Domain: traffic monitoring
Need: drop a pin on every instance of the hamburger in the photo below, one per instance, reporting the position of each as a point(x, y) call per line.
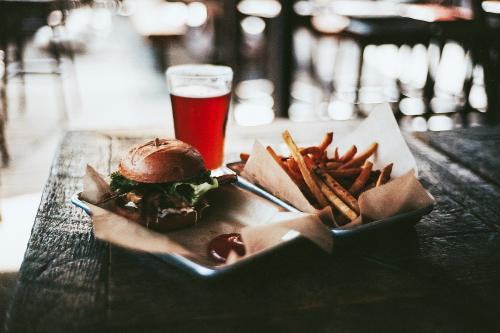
point(162, 184)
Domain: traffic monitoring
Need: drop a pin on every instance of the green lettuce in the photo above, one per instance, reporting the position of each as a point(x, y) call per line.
point(190, 191)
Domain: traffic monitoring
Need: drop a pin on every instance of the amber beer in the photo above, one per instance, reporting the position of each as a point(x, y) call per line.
point(200, 96)
point(200, 116)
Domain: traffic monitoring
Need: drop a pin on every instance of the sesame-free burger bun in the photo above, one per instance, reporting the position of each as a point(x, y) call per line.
point(171, 221)
point(161, 161)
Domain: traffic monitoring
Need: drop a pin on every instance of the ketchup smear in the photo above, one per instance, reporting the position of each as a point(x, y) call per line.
point(220, 246)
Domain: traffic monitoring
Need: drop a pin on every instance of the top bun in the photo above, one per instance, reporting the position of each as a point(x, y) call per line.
point(161, 161)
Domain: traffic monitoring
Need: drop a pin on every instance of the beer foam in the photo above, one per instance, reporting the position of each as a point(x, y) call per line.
point(199, 91)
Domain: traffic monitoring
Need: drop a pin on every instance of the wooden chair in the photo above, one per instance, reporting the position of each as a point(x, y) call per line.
point(20, 19)
point(3, 143)
point(277, 58)
point(482, 36)
point(375, 24)
point(413, 24)
point(4, 153)
point(477, 31)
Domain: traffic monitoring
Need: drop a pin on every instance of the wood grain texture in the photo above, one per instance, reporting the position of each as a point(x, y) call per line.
point(343, 291)
point(476, 148)
point(458, 243)
point(441, 275)
point(459, 184)
point(63, 279)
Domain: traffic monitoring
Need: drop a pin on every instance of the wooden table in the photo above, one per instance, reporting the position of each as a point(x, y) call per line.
point(443, 275)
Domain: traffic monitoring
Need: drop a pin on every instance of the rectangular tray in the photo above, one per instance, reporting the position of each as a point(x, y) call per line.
point(405, 219)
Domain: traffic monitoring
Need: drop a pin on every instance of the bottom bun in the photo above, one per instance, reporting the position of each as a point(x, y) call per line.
point(171, 221)
point(129, 213)
point(174, 221)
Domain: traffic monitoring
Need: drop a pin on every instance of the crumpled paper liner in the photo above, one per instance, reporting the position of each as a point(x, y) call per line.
point(402, 194)
point(261, 223)
point(380, 126)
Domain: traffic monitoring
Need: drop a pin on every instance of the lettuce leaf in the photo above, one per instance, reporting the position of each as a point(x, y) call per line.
point(190, 191)
point(121, 184)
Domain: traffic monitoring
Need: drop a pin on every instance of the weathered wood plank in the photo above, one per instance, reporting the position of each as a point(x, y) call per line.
point(63, 279)
point(465, 263)
point(457, 244)
point(443, 177)
point(78, 149)
point(61, 310)
point(476, 148)
point(341, 292)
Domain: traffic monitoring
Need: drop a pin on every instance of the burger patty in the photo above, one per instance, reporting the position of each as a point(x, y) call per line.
point(151, 203)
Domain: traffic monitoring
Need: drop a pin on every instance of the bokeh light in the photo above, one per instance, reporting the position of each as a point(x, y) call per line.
point(197, 14)
point(253, 25)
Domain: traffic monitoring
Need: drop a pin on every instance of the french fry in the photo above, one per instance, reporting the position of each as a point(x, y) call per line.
point(276, 157)
point(361, 158)
point(372, 180)
point(344, 173)
point(361, 180)
point(341, 192)
point(333, 165)
point(293, 165)
point(320, 163)
point(296, 177)
point(324, 157)
point(326, 141)
point(329, 194)
point(385, 175)
point(294, 173)
point(309, 178)
point(310, 164)
point(332, 194)
point(336, 201)
point(349, 154)
point(244, 157)
point(336, 181)
point(313, 150)
point(294, 170)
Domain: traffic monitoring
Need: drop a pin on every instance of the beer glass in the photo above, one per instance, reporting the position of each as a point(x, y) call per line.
point(200, 96)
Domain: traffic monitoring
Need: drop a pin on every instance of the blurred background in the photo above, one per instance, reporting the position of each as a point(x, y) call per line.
point(99, 65)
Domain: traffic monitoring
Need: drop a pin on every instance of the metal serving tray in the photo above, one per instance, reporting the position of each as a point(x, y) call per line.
point(339, 234)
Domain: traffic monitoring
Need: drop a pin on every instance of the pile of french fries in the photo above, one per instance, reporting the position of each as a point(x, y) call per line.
point(335, 181)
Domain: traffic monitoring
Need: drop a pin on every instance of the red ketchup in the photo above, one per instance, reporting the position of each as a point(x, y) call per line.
point(220, 246)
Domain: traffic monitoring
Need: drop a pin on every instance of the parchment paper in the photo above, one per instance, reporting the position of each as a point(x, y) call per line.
point(402, 194)
point(380, 126)
point(261, 223)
